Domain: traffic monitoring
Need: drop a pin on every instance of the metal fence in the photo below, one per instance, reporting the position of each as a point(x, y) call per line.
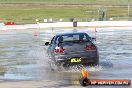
point(85, 19)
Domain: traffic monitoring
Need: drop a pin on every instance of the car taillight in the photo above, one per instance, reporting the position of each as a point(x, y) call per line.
point(90, 47)
point(59, 50)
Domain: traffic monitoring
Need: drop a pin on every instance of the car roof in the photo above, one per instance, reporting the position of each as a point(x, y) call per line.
point(61, 34)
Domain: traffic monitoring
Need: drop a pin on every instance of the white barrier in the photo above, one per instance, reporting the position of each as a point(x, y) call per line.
point(70, 24)
point(56, 24)
point(88, 24)
point(26, 26)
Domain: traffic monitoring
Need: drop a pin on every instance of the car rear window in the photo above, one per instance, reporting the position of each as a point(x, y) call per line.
point(70, 37)
point(73, 37)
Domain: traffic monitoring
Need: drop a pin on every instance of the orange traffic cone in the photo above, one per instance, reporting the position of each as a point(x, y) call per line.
point(84, 73)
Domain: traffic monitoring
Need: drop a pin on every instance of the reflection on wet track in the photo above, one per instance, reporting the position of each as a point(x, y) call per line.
point(23, 56)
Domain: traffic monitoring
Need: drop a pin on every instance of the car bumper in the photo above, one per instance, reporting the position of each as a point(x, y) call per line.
point(75, 59)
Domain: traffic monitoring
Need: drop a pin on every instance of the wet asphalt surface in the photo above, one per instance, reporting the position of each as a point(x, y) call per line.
point(23, 57)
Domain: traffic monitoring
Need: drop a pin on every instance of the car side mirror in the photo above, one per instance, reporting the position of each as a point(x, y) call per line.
point(47, 43)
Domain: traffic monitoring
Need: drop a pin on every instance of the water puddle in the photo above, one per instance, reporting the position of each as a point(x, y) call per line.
point(23, 56)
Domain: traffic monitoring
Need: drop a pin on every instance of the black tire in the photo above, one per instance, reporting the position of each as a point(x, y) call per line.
point(84, 82)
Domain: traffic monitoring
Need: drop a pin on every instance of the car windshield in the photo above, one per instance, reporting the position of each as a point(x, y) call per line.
point(73, 37)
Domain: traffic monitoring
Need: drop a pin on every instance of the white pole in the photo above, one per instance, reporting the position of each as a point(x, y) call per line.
point(128, 10)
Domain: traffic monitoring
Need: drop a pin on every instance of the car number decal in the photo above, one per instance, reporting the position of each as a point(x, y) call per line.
point(76, 60)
